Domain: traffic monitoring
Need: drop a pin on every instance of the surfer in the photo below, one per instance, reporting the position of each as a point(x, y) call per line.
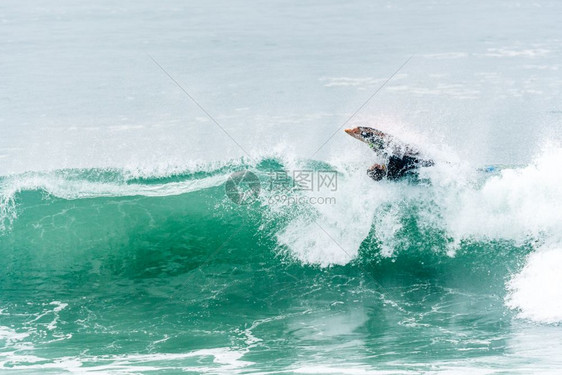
point(400, 159)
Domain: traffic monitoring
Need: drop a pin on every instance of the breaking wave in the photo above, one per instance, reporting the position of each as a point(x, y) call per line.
point(451, 210)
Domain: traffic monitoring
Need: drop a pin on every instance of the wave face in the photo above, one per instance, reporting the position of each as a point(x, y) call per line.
point(170, 268)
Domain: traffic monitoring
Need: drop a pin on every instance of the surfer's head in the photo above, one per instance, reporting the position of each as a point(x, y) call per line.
point(361, 133)
point(372, 137)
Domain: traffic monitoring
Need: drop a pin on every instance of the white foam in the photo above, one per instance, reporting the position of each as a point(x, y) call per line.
point(352, 81)
point(10, 336)
point(225, 361)
point(520, 204)
point(58, 306)
point(355, 369)
point(536, 291)
point(332, 233)
point(512, 52)
point(75, 188)
point(516, 204)
point(446, 55)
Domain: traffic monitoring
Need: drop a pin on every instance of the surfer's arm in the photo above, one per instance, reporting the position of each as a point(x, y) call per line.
point(377, 172)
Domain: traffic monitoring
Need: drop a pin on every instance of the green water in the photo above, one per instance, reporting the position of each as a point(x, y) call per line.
point(195, 283)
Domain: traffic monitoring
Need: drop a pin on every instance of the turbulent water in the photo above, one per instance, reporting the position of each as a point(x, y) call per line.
point(131, 241)
point(104, 271)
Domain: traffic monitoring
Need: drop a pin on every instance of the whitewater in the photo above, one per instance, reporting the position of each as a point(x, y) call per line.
point(126, 248)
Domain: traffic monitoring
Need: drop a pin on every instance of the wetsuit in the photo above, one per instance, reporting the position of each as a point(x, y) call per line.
point(398, 167)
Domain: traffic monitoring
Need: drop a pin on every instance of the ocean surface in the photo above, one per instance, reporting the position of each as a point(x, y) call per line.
point(177, 194)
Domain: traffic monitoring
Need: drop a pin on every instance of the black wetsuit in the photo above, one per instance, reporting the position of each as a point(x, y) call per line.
point(398, 167)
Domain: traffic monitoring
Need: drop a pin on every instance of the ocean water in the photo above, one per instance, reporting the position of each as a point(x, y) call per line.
point(129, 245)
